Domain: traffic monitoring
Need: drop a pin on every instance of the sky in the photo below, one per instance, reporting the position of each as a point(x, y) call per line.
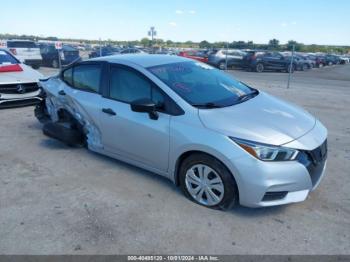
point(306, 21)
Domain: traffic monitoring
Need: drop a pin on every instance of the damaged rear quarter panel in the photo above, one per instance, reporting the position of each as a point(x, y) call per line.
point(55, 102)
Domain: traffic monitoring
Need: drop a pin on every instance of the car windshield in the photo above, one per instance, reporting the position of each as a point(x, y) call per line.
point(5, 58)
point(202, 85)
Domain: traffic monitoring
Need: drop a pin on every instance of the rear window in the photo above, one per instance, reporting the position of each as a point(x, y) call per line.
point(6, 58)
point(21, 44)
point(69, 48)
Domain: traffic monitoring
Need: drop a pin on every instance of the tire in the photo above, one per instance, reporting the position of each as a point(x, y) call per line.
point(55, 63)
point(259, 68)
point(320, 65)
point(222, 65)
point(304, 67)
point(35, 66)
point(330, 63)
point(228, 196)
point(64, 132)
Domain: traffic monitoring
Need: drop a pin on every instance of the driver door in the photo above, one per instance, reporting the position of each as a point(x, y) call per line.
point(134, 135)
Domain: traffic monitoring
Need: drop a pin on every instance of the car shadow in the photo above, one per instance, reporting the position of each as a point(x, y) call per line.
point(136, 171)
point(240, 211)
point(248, 212)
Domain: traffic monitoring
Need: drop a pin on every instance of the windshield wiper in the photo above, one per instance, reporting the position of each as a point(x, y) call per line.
point(248, 96)
point(207, 105)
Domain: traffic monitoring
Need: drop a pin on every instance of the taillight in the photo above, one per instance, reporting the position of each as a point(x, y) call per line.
point(13, 51)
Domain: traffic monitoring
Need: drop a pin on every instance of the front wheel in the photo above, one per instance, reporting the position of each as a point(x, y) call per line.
point(304, 67)
point(207, 182)
point(259, 68)
point(55, 64)
point(222, 65)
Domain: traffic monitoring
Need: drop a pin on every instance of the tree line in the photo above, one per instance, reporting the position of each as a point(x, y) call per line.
point(273, 44)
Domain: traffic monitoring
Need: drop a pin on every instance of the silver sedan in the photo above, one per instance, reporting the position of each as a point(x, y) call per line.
point(220, 140)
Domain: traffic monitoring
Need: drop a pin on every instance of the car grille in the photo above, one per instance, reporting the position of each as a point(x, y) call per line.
point(19, 88)
point(314, 161)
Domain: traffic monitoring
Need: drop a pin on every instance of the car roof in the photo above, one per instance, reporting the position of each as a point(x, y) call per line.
point(144, 60)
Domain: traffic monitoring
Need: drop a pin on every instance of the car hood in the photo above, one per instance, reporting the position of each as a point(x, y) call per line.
point(263, 119)
point(28, 75)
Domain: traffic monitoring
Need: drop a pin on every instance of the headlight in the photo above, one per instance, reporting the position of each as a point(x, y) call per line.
point(267, 152)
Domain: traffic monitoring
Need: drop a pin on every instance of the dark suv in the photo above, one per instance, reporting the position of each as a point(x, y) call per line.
point(332, 60)
point(260, 61)
point(50, 54)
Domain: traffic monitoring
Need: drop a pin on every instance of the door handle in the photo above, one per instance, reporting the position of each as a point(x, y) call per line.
point(108, 111)
point(62, 93)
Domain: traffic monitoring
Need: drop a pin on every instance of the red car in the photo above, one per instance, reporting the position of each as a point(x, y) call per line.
point(196, 55)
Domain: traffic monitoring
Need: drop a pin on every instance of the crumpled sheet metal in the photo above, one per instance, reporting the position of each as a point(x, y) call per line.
point(55, 103)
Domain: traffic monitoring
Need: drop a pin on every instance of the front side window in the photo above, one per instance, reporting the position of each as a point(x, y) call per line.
point(87, 77)
point(201, 85)
point(68, 76)
point(127, 86)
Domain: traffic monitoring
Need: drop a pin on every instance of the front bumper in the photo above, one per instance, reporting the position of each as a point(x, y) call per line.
point(263, 183)
point(19, 100)
point(33, 62)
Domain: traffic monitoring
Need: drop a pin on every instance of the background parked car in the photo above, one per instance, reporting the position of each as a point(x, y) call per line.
point(50, 54)
point(318, 60)
point(260, 61)
point(344, 60)
point(234, 58)
point(332, 60)
point(104, 51)
point(18, 82)
point(302, 62)
point(26, 51)
point(196, 55)
point(131, 51)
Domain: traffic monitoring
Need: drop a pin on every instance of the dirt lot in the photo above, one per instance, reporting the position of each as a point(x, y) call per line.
point(59, 200)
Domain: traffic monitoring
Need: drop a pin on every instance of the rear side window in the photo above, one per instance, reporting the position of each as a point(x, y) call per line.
point(87, 77)
point(21, 44)
point(68, 76)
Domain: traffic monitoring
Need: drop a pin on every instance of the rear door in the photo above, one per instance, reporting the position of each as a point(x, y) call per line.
point(81, 93)
point(234, 58)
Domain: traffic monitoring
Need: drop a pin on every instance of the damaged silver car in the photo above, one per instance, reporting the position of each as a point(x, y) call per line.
point(220, 140)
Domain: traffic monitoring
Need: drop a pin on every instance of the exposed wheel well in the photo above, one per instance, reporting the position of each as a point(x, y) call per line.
point(186, 155)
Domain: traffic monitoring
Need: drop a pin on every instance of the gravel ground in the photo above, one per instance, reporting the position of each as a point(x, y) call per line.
point(59, 200)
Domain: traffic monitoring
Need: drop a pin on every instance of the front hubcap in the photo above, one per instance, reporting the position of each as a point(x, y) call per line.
point(204, 185)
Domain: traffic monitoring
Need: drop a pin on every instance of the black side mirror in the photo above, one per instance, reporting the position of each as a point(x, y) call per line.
point(145, 105)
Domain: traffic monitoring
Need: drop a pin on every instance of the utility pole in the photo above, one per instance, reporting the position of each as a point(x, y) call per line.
point(290, 69)
point(100, 47)
point(152, 33)
point(226, 56)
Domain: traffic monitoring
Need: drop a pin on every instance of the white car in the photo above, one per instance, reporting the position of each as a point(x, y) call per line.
point(344, 60)
point(18, 82)
point(26, 51)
